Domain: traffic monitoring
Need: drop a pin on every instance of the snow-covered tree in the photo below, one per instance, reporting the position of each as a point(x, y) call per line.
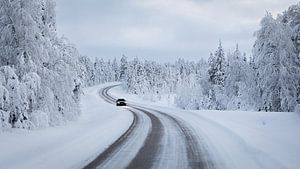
point(291, 18)
point(88, 74)
point(217, 66)
point(115, 70)
point(239, 81)
point(123, 68)
point(277, 65)
point(41, 71)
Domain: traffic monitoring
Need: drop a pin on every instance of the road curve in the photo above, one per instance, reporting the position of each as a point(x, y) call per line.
point(196, 154)
point(154, 140)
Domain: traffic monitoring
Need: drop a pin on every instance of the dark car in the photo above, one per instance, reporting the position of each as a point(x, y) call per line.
point(121, 102)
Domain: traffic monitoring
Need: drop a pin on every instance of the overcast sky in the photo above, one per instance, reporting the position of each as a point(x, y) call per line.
point(162, 29)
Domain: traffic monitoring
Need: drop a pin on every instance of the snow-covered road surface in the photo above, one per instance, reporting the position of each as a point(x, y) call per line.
point(155, 140)
point(237, 139)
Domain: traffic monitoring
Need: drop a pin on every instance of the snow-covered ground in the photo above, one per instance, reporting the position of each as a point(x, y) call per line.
point(70, 146)
point(240, 139)
point(234, 139)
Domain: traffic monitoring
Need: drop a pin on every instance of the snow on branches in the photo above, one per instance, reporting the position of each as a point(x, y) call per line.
point(39, 72)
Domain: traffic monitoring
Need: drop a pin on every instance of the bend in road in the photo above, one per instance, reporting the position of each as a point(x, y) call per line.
point(154, 140)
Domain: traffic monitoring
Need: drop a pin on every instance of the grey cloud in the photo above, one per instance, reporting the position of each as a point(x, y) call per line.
point(157, 29)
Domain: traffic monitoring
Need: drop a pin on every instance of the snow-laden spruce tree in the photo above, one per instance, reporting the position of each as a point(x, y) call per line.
point(235, 79)
point(99, 71)
point(123, 68)
point(217, 66)
point(277, 66)
point(135, 79)
point(217, 76)
point(116, 70)
point(109, 72)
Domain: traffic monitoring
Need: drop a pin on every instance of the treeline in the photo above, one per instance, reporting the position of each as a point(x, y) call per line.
point(42, 75)
point(267, 81)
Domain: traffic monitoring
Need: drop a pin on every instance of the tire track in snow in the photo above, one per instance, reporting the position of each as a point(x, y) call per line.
point(147, 154)
point(196, 155)
point(115, 146)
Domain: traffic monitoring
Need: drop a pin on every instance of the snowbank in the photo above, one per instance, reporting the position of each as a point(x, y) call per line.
point(271, 139)
point(70, 146)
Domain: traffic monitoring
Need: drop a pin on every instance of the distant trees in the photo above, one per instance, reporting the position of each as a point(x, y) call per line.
point(239, 82)
point(98, 71)
point(268, 81)
point(41, 75)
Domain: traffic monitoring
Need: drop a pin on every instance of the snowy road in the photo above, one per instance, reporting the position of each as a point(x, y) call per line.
point(155, 135)
point(154, 140)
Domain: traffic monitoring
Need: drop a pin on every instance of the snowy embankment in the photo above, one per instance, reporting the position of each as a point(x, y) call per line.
point(240, 139)
point(70, 146)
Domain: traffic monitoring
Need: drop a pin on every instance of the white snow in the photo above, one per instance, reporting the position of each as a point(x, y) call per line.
point(240, 139)
point(234, 139)
point(70, 146)
point(127, 152)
